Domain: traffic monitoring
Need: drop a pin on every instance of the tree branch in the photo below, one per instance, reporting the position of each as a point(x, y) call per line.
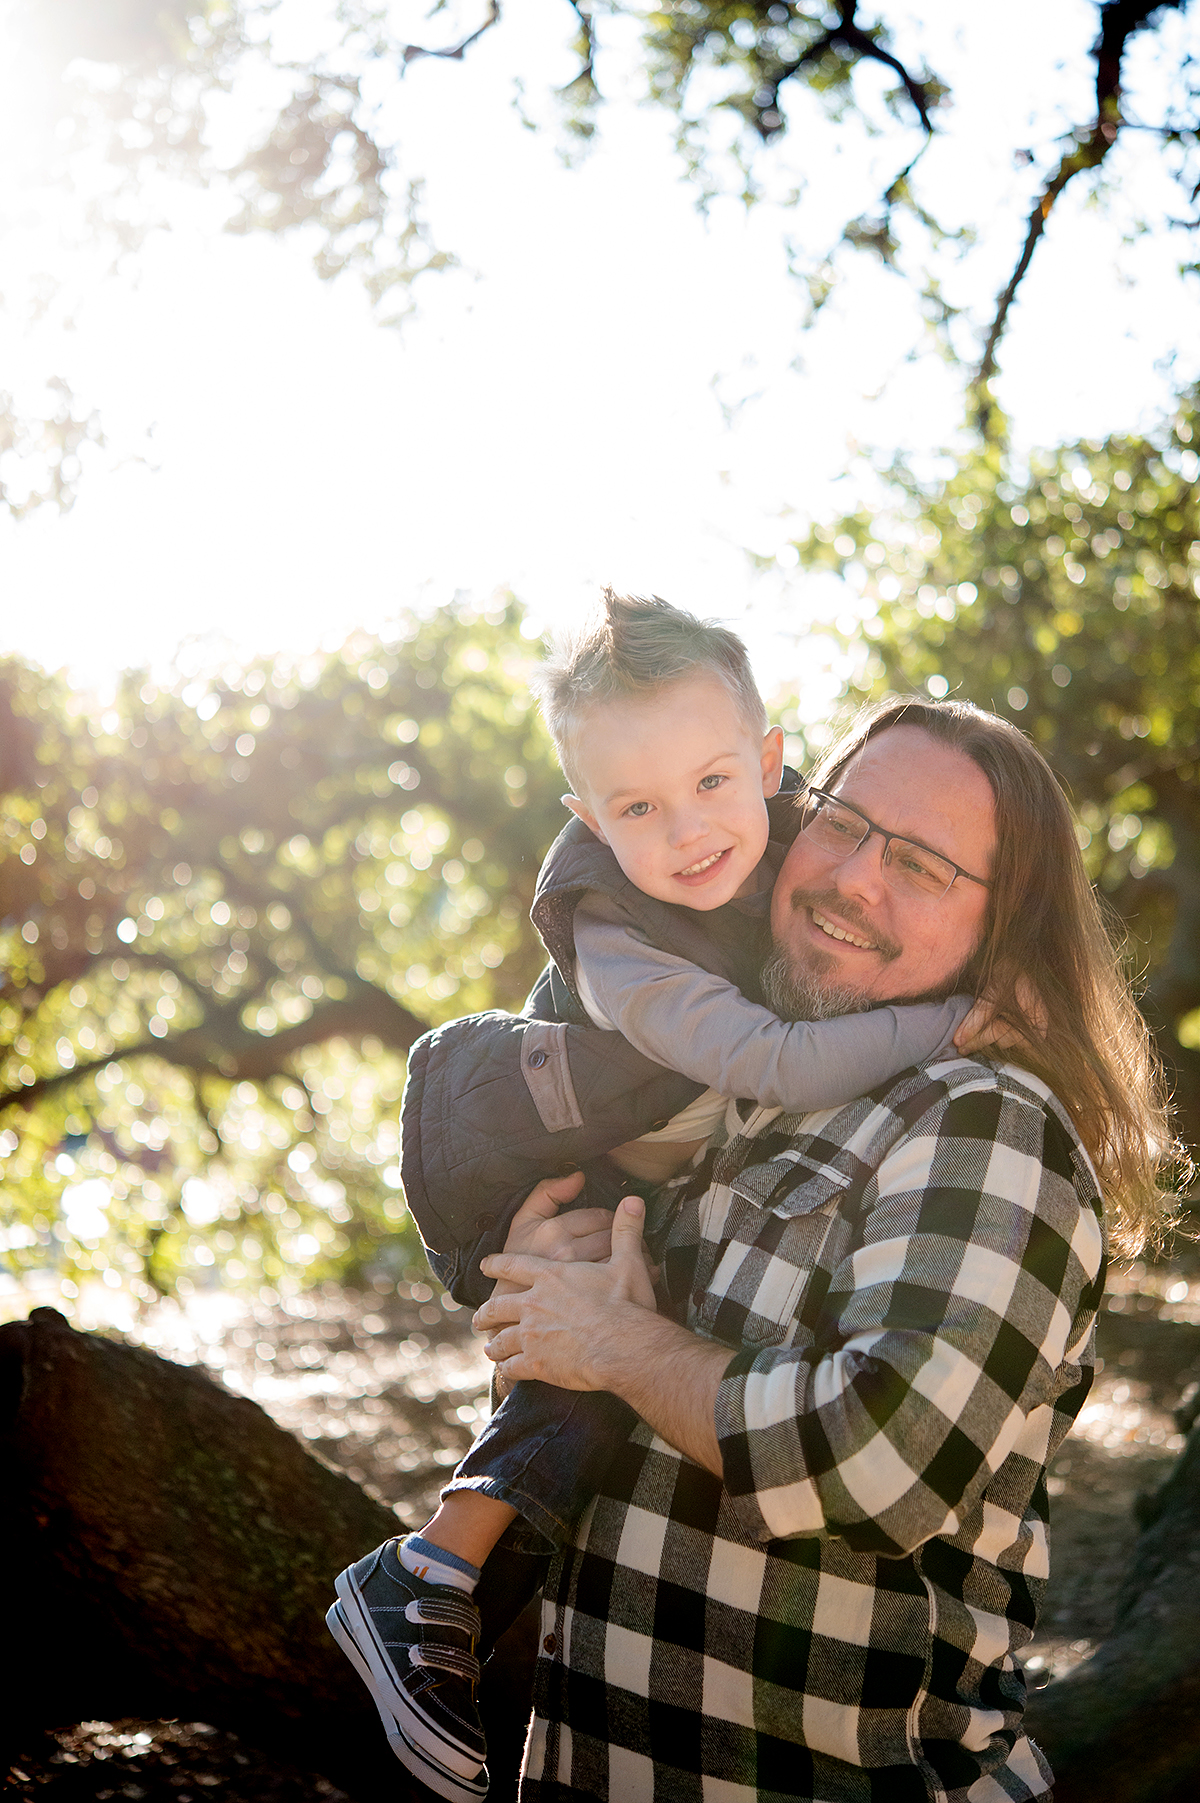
point(455, 52)
point(1120, 20)
point(850, 35)
point(587, 31)
point(855, 38)
point(222, 1047)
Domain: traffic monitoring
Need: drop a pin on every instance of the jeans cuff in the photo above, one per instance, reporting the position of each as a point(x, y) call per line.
point(534, 1531)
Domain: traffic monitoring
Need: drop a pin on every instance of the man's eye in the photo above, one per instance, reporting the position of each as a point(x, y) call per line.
point(913, 864)
point(638, 808)
point(711, 782)
point(840, 823)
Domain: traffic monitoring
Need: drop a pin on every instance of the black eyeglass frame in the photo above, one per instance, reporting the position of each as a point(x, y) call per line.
point(902, 838)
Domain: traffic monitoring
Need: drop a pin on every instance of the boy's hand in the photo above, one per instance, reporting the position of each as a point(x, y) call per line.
point(983, 1029)
point(537, 1228)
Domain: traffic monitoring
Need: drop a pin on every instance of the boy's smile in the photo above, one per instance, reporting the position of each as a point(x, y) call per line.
point(675, 785)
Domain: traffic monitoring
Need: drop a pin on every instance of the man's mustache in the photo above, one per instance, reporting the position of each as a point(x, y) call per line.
point(848, 913)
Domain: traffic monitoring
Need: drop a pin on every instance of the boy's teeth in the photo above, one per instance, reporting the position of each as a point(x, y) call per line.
point(695, 869)
point(827, 926)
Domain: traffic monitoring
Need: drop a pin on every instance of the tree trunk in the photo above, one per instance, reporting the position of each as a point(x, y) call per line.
point(171, 1553)
point(1126, 1725)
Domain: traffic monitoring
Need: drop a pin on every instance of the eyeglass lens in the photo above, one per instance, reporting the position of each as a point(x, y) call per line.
point(840, 830)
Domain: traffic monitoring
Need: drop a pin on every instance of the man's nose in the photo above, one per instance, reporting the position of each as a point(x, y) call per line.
point(861, 874)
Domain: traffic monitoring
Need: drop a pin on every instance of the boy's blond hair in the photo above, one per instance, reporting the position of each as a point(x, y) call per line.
point(632, 646)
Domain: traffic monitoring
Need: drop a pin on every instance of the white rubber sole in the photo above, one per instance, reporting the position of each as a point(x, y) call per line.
point(445, 1768)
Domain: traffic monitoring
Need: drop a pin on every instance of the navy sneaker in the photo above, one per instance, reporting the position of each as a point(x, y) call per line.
point(413, 1645)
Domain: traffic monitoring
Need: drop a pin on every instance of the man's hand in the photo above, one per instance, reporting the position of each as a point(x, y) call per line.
point(556, 1320)
point(594, 1327)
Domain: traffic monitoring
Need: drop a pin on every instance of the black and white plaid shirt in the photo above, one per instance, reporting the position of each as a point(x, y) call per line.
point(910, 1284)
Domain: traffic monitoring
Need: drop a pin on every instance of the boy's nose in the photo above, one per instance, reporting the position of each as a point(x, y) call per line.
point(685, 827)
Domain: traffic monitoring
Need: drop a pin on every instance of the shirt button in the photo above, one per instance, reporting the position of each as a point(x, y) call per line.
point(536, 1060)
point(657, 1126)
point(550, 1644)
point(485, 1221)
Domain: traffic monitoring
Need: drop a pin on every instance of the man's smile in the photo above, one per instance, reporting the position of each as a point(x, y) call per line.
point(836, 917)
point(836, 932)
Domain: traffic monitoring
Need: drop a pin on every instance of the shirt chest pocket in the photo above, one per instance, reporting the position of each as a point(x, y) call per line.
point(772, 1273)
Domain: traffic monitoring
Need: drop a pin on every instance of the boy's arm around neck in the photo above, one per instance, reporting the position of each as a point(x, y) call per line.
point(701, 1025)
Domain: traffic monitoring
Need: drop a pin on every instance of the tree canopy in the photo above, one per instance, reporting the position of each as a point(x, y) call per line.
point(295, 114)
point(225, 915)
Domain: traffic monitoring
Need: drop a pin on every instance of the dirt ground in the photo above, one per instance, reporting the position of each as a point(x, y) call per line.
point(390, 1386)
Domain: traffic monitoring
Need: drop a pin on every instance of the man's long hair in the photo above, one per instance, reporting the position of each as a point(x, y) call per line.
point(1045, 923)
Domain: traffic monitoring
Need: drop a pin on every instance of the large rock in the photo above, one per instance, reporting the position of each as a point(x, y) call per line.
point(1125, 1725)
point(170, 1553)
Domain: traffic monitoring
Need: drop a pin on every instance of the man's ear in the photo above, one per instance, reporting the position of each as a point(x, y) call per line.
point(772, 761)
point(582, 812)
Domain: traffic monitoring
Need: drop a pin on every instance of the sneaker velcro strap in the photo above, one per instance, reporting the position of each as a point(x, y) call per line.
point(446, 1659)
point(446, 1612)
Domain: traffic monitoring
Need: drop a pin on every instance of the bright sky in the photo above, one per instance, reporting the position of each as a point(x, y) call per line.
point(553, 417)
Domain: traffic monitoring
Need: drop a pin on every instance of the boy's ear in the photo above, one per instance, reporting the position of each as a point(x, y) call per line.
point(582, 812)
point(772, 761)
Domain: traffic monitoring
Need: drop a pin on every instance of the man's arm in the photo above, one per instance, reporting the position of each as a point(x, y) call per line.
point(959, 1317)
point(948, 1327)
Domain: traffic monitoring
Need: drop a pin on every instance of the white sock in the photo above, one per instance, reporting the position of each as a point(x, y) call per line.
point(435, 1565)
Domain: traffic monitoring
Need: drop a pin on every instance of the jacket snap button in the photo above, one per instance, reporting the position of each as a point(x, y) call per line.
point(537, 1059)
point(485, 1221)
point(657, 1126)
point(550, 1644)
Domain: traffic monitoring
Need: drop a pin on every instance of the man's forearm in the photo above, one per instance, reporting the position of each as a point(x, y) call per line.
point(671, 1377)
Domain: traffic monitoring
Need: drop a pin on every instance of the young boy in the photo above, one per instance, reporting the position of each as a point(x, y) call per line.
point(652, 904)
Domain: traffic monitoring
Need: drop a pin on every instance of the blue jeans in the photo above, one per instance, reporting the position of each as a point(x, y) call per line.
point(545, 1452)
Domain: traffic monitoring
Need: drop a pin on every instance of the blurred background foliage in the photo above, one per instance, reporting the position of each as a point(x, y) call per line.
point(228, 908)
point(225, 914)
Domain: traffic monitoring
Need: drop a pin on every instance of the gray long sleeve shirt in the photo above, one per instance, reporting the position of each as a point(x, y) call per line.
point(699, 1024)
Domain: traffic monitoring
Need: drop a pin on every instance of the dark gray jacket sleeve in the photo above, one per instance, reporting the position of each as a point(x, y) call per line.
point(494, 1102)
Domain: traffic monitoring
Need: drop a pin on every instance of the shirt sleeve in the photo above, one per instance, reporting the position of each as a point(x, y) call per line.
point(959, 1316)
point(704, 1027)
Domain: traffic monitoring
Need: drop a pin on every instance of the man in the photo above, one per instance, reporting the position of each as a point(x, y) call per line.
point(810, 1570)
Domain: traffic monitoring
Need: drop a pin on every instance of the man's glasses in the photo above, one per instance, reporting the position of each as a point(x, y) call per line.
point(835, 827)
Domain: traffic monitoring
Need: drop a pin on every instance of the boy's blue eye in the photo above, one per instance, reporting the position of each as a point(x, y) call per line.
point(638, 808)
point(711, 782)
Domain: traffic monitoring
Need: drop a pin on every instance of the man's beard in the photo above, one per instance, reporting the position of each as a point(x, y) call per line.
point(800, 995)
point(794, 993)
